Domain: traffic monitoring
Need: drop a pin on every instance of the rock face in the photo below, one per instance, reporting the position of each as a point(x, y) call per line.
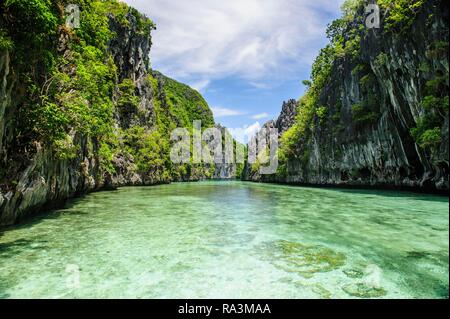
point(285, 120)
point(225, 170)
point(342, 151)
point(31, 181)
point(287, 116)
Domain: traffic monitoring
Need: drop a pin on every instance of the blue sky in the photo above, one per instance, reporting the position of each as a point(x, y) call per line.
point(245, 56)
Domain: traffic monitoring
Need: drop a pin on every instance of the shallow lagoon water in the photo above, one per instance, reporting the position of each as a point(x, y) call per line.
point(232, 240)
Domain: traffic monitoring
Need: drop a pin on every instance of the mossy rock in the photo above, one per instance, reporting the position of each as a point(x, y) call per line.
point(304, 259)
point(362, 290)
point(353, 273)
point(322, 292)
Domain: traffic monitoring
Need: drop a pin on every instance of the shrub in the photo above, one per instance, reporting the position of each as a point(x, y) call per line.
point(5, 41)
point(322, 113)
point(148, 148)
point(401, 13)
point(431, 138)
point(427, 138)
point(128, 101)
point(381, 60)
point(362, 115)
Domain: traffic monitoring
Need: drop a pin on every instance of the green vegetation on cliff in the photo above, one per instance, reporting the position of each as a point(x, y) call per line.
point(69, 91)
point(319, 111)
point(66, 92)
point(183, 103)
point(175, 105)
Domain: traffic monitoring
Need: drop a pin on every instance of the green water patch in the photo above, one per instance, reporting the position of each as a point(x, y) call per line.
point(305, 260)
point(232, 240)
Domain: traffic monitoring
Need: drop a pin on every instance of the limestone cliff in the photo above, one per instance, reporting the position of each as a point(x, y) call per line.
point(380, 118)
point(93, 115)
point(287, 116)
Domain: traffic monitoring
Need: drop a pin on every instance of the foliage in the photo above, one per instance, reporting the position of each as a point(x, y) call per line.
point(299, 130)
point(106, 153)
point(175, 105)
point(401, 14)
point(306, 83)
point(76, 94)
point(65, 148)
point(321, 68)
point(362, 115)
point(239, 170)
point(427, 138)
point(346, 34)
point(147, 147)
point(32, 24)
point(5, 41)
point(345, 41)
point(428, 131)
point(74, 98)
point(128, 101)
point(322, 113)
point(381, 60)
point(184, 104)
point(144, 25)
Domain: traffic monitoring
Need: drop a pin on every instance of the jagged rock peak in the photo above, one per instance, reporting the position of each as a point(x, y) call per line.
point(287, 116)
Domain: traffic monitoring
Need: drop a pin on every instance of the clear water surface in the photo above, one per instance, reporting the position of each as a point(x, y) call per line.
point(232, 240)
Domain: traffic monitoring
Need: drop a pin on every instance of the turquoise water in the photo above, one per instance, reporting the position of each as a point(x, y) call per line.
point(232, 240)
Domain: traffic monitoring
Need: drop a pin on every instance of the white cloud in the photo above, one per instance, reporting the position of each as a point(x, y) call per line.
point(225, 112)
point(261, 85)
point(252, 39)
point(200, 85)
point(251, 130)
point(260, 116)
point(244, 134)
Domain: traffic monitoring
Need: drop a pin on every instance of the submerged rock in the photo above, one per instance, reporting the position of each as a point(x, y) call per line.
point(353, 273)
point(362, 290)
point(303, 259)
point(322, 292)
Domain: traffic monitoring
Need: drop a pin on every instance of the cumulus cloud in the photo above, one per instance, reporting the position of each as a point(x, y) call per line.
point(203, 40)
point(251, 130)
point(244, 134)
point(200, 85)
